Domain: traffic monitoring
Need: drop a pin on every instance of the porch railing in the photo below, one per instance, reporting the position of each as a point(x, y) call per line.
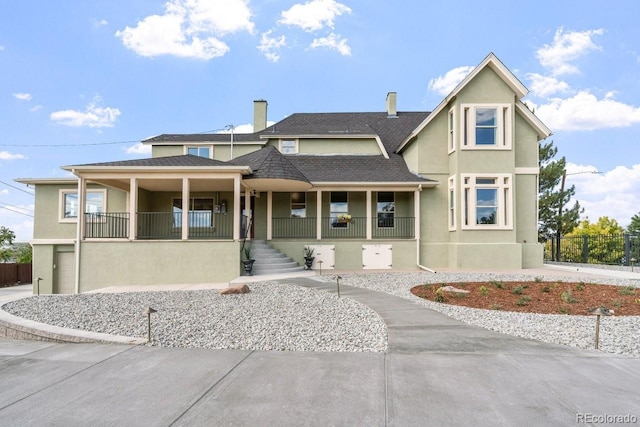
point(356, 228)
point(159, 225)
point(106, 225)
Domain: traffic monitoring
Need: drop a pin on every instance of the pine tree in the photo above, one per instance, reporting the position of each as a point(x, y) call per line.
point(552, 196)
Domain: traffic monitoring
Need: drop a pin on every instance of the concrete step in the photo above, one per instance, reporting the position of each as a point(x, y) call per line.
point(259, 271)
point(279, 266)
point(273, 261)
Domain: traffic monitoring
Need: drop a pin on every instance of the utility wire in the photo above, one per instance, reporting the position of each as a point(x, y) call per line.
point(15, 207)
point(18, 212)
point(17, 188)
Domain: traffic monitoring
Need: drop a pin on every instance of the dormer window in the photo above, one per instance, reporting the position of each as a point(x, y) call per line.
point(486, 126)
point(199, 151)
point(289, 146)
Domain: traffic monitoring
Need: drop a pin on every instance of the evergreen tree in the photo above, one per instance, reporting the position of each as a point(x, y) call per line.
point(552, 196)
point(634, 227)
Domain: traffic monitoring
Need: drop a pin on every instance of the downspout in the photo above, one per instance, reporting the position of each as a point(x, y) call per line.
point(418, 231)
point(81, 208)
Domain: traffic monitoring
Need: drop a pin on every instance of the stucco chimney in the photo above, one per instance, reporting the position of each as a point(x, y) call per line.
point(391, 104)
point(259, 115)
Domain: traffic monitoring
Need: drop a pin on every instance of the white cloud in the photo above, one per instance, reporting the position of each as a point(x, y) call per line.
point(35, 108)
point(445, 84)
point(333, 42)
point(614, 193)
point(4, 192)
point(244, 128)
point(567, 47)
point(314, 15)
point(5, 155)
point(138, 148)
point(93, 116)
point(22, 96)
point(189, 29)
point(99, 22)
point(269, 46)
point(584, 111)
point(544, 86)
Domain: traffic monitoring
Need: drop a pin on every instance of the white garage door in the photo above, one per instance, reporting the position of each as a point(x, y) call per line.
point(65, 273)
point(377, 257)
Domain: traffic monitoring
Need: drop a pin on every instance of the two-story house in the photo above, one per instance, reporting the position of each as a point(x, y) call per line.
point(455, 188)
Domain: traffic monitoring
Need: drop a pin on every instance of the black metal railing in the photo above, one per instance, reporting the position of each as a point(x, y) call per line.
point(159, 225)
point(333, 228)
point(611, 249)
point(106, 225)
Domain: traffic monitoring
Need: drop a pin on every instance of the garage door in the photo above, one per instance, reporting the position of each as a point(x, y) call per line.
point(65, 273)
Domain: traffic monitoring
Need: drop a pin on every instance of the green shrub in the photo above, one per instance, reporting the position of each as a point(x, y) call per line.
point(496, 307)
point(627, 290)
point(518, 290)
point(546, 289)
point(563, 310)
point(538, 279)
point(567, 296)
point(483, 290)
point(580, 286)
point(496, 284)
point(523, 300)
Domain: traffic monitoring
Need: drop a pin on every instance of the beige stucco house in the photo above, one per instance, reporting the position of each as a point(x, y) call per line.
point(454, 188)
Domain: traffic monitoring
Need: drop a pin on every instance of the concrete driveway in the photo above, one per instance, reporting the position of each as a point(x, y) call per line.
point(437, 371)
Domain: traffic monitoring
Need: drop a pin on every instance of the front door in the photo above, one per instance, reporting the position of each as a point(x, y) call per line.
point(65, 273)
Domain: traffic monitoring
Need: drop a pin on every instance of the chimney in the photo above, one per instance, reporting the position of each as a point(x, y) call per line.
point(259, 115)
point(391, 105)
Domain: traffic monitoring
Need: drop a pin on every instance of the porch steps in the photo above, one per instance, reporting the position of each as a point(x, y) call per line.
point(270, 260)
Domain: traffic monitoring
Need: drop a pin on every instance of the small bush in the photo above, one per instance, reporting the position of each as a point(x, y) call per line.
point(538, 279)
point(617, 303)
point(496, 307)
point(563, 310)
point(523, 300)
point(439, 296)
point(580, 286)
point(496, 284)
point(627, 290)
point(546, 289)
point(483, 290)
point(518, 290)
point(567, 296)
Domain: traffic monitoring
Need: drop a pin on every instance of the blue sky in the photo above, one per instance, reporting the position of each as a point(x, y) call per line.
point(85, 81)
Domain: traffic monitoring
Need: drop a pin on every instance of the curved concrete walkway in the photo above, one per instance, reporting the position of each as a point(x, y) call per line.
point(437, 371)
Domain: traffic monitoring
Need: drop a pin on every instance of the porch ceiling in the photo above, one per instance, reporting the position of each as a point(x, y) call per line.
point(274, 184)
point(171, 185)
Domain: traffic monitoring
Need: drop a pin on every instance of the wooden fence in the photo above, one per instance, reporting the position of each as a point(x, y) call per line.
point(13, 274)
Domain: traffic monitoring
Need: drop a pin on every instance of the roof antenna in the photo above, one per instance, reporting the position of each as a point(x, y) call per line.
point(231, 128)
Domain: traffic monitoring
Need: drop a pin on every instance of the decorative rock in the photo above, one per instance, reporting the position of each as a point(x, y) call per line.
point(454, 290)
point(237, 289)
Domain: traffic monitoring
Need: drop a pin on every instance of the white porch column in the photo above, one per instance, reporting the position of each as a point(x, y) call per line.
point(236, 208)
point(369, 221)
point(186, 204)
point(82, 197)
point(247, 210)
point(319, 215)
point(269, 215)
point(416, 213)
point(133, 208)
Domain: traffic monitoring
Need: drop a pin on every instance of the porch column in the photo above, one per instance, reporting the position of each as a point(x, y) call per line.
point(269, 215)
point(416, 213)
point(247, 209)
point(133, 208)
point(369, 221)
point(319, 215)
point(82, 196)
point(185, 208)
point(236, 208)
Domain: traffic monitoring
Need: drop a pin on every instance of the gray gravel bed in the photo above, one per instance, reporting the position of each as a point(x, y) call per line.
point(618, 334)
point(271, 317)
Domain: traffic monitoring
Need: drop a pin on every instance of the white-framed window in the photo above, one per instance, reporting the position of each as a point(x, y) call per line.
point(95, 203)
point(199, 150)
point(486, 126)
point(451, 132)
point(452, 203)
point(289, 146)
point(200, 212)
point(339, 209)
point(386, 209)
point(298, 205)
point(487, 202)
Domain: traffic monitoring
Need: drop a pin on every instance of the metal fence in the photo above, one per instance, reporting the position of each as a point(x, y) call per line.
point(610, 249)
point(355, 228)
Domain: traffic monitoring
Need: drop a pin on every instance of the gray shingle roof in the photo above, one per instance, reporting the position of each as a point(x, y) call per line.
point(204, 137)
point(169, 161)
point(269, 163)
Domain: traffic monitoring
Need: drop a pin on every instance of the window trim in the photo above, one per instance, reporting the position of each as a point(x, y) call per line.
point(295, 145)
point(61, 203)
point(451, 207)
point(208, 147)
point(504, 209)
point(504, 128)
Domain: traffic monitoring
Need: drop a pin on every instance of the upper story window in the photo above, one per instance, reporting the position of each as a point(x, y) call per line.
point(289, 146)
point(452, 135)
point(95, 203)
point(486, 126)
point(452, 203)
point(386, 209)
point(199, 151)
point(298, 205)
point(487, 201)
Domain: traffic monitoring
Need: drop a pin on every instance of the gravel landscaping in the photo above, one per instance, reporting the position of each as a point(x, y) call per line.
point(276, 316)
